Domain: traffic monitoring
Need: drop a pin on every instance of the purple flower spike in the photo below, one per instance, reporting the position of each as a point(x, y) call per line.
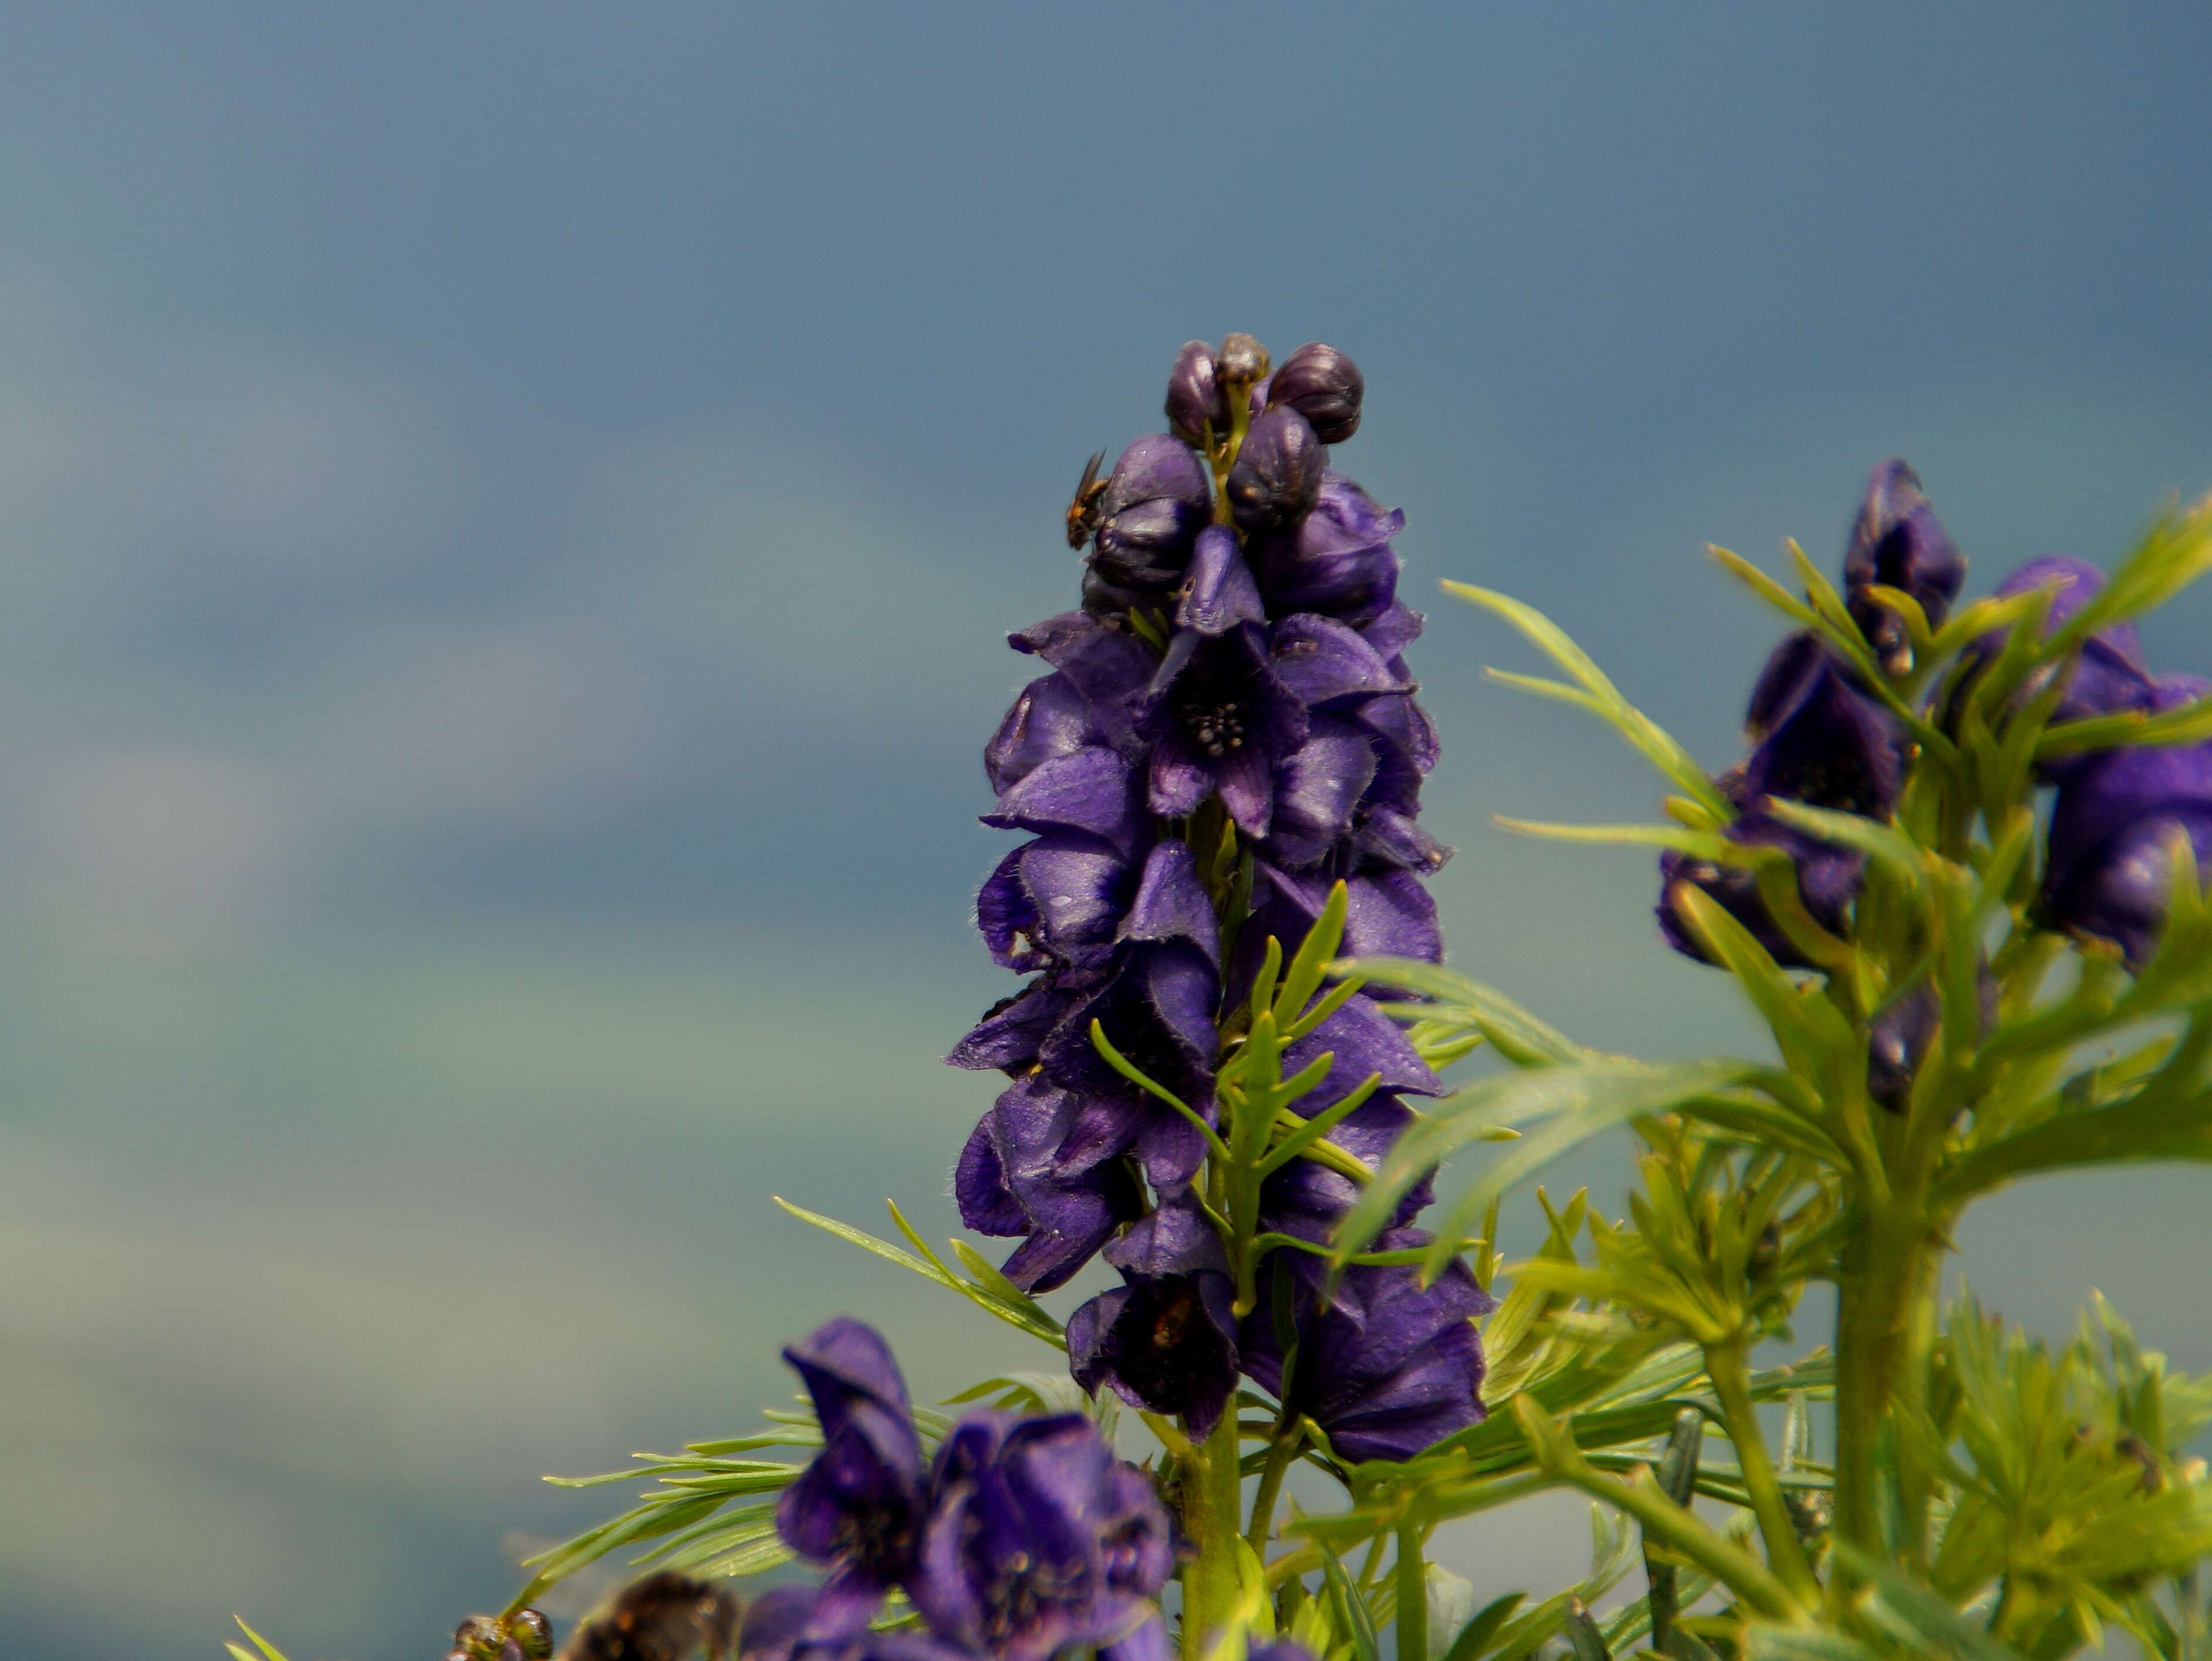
point(1166, 1339)
point(1899, 543)
point(1194, 395)
point(2117, 831)
point(1337, 560)
point(1323, 384)
point(1277, 475)
point(858, 1507)
point(1031, 1519)
point(1387, 1367)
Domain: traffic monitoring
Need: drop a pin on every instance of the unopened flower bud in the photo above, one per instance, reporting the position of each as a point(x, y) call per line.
point(1278, 472)
point(1194, 397)
point(1323, 384)
point(1155, 505)
point(533, 1632)
point(1898, 541)
point(1241, 361)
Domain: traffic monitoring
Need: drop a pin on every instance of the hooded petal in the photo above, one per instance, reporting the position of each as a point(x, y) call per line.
point(1171, 902)
point(1220, 592)
point(1326, 663)
point(1317, 790)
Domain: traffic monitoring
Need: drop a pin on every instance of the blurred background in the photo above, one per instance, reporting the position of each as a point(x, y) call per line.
point(507, 517)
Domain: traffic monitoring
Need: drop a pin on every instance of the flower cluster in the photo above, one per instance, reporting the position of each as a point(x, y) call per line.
point(1022, 1537)
point(1227, 732)
point(1822, 737)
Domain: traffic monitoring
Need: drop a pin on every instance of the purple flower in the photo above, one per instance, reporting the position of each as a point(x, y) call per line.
point(1281, 1650)
point(1277, 474)
point(2120, 820)
point(1157, 500)
point(2107, 676)
point(1166, 1338)
point(1898, 541)
point(1219, 593)
point(1820, 740)
point(1014, 1180)
point(859, 1506)
point(1387, 1367)
point(1219, 717)
point(1323, 384)
point(1337, 560)
point(778, 1626)
point(1899, 1040)
point(1061, 898)
point(1308, 1199)
point(1194, 395)
point(1037, 1539)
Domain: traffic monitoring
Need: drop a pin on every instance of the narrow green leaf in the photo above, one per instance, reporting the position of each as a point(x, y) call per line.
point(1474, 1637)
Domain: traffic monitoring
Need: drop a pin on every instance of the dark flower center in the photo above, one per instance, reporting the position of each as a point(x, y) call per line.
point(1019, 1590)
point(1216, 728)
point(1155, 1334)
point(875, 1534)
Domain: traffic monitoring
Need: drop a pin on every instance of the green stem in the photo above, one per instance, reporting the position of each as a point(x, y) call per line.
point(1211, 1519)
point(1413, 1597)
point(1280, 1452)
point(1884, 1322)
point(1726, 1366)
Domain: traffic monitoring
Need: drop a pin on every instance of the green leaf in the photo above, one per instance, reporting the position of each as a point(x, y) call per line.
point(1474, 1637)
point(269, 1651)
point(1604, 699)
point(1520, 1037)
point(1358, 1621)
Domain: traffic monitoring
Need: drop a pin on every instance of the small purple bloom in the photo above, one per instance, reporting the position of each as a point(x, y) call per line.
point(1828, 882)
point(2116, 829)
point(1195, 395)
point(2107, 677)
point(1900, 1037)
point(1323, 384)
point(1277, 475)
point(1387, 1367)
point(1898, 541)
point(1219, 717)
point(1035, 1541)
point(1166, 1338)
point(1014, 1180)
point(1157, 500)
point(1337, 560)
point(1308, 1199)
point(858, 1507)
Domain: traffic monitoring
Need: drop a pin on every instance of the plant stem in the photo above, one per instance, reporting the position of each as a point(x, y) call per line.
point(1412, 1596)
point(1726, 1366)
point(1280, 1452)
point(1212, 1518)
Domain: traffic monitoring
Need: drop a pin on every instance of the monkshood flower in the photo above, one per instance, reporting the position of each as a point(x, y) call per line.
point(1157, 499)
point(1897, 541)
point(1386, 1368)
point(1166, 1339)
point(777, 1627)
point(1819, 739)
point(859, 1507)
point(2118, 827)
point(1336, 560)
point(1061, 898)
point(1307, 1199)
point(1025, 1173)
point(1196, 404)
point(2107, 676)
point(1219, 719)
point(1038, 1538)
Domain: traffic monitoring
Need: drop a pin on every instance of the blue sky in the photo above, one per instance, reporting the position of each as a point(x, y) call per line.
point(507, 517)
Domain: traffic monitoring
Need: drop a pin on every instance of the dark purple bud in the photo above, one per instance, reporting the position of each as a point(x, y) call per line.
point(1165, 1340)
point(1336, 561)
point(1194, 398)
point(1900, 1036)
point(1157, 500)
point(1277, 475)
point(1828, 882)
point(1323, 384)
point(1898, 541)
point(2119, 825)
point(1826, 742)
point(1241, 361)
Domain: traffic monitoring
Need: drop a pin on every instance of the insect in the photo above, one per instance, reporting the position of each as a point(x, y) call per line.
point(666, 1616)
point(1082, 507)
point(525, 1635)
